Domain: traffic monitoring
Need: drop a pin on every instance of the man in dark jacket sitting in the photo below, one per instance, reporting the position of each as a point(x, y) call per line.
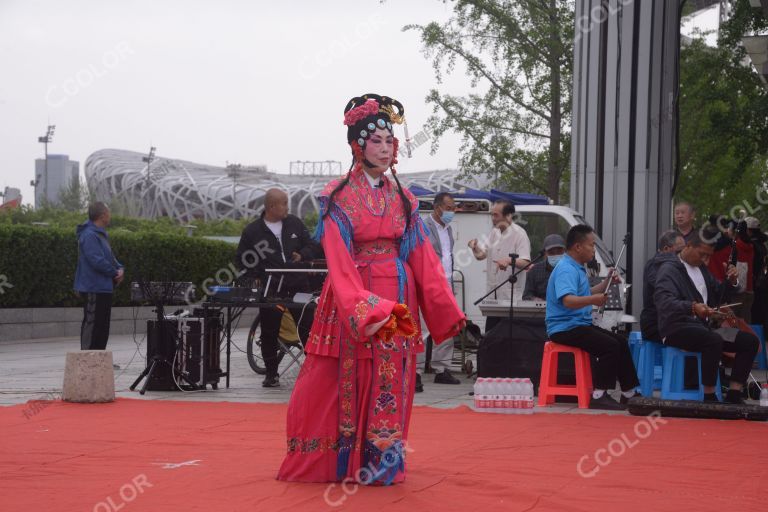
point(276, 240)
point(685, 297)
point(670, 244)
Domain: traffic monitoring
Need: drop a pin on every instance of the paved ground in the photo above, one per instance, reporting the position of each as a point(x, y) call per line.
point(34, 370)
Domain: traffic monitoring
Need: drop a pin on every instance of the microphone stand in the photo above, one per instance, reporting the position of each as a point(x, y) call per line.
point(511, 280)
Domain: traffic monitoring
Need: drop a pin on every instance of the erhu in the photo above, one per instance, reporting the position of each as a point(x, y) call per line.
point(614, 269)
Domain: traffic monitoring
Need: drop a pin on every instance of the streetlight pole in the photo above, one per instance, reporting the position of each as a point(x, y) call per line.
point(45, 139)
point(234, 171)
point(148, 160)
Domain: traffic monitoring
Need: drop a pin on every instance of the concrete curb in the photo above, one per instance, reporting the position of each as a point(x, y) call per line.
point(34, 323)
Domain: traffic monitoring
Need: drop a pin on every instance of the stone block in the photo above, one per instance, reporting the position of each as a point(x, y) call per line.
point(89, 377)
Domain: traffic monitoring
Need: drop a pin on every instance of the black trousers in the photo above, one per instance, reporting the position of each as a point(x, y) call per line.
point(97, 311)
point(712, 345)
point(270, 328)
point(613, 358)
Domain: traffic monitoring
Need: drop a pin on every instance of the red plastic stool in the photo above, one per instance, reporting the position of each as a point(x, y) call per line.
point(548, 386)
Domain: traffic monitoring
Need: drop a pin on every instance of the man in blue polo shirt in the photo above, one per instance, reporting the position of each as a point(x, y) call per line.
point(569, 321)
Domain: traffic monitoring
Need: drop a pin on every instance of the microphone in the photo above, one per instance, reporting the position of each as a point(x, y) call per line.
point(380, 184)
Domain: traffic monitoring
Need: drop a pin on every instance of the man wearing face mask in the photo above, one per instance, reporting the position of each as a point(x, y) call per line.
point(441, 238)
point(538, 276)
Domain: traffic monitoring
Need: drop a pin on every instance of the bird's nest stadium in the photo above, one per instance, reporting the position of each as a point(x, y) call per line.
point(189, 191)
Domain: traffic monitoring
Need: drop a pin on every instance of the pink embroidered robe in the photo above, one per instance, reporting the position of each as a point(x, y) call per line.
point(352, 401)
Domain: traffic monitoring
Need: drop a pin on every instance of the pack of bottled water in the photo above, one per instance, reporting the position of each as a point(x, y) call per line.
point(504, 395)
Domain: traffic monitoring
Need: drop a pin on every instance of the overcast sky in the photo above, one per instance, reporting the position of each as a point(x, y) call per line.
point(255, 82)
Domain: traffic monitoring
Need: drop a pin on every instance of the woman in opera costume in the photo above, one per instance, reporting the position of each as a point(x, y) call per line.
point(349, 412)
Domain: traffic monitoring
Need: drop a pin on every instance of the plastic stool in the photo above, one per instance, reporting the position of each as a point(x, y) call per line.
point(673, 382)
point(761, 357)
point(548, 386)
point(647, 368)
point(635, 345)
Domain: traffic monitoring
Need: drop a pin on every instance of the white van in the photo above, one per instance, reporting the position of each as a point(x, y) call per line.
point(473, 220)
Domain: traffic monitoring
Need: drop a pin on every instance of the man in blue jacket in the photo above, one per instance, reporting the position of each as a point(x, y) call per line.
point(98, 271)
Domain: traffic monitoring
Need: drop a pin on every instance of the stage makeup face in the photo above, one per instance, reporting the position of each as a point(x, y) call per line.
point(379, 149)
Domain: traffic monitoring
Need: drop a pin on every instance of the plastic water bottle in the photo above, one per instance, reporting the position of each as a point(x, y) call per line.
point(516, 395)
point(507, 397)
point(481, 394)
point(485, 398)
point(476, 388)
point(524, 384)
point(764, 396)
point(498, 395)
point(527, 396)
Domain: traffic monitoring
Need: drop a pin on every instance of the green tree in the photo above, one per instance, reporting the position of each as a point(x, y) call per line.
point(723, 120)
point(514, 123)
point(75, 197)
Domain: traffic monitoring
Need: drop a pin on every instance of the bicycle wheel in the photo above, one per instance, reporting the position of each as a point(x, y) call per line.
point(253, 349)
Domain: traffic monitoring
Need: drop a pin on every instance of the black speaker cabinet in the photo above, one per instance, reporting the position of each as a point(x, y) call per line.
point(161, 343)
point(515, 348)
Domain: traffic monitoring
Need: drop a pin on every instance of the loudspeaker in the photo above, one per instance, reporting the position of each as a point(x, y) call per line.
point(198, 357)
point(161, 344)
point(514, 348)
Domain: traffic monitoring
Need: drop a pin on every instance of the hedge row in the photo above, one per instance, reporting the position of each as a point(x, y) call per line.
point(39, 263)
point(63, 219)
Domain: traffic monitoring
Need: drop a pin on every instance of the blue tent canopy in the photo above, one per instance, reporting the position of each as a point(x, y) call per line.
point(519, 197)
point(493, 195)
point(420, 191)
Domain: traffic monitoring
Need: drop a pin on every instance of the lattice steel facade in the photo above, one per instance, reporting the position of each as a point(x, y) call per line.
point(187, 191)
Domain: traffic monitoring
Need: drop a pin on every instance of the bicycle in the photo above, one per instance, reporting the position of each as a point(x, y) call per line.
point(253, 348)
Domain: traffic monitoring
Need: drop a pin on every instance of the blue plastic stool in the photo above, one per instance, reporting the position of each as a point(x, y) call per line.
point(761, 357)
point(635, 344)
point(673, 381)
point(649, 373)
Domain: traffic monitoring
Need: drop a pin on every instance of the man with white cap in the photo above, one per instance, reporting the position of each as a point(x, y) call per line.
point(538, 275)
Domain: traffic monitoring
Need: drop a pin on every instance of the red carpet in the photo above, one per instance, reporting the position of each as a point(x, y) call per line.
point(71, 457)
